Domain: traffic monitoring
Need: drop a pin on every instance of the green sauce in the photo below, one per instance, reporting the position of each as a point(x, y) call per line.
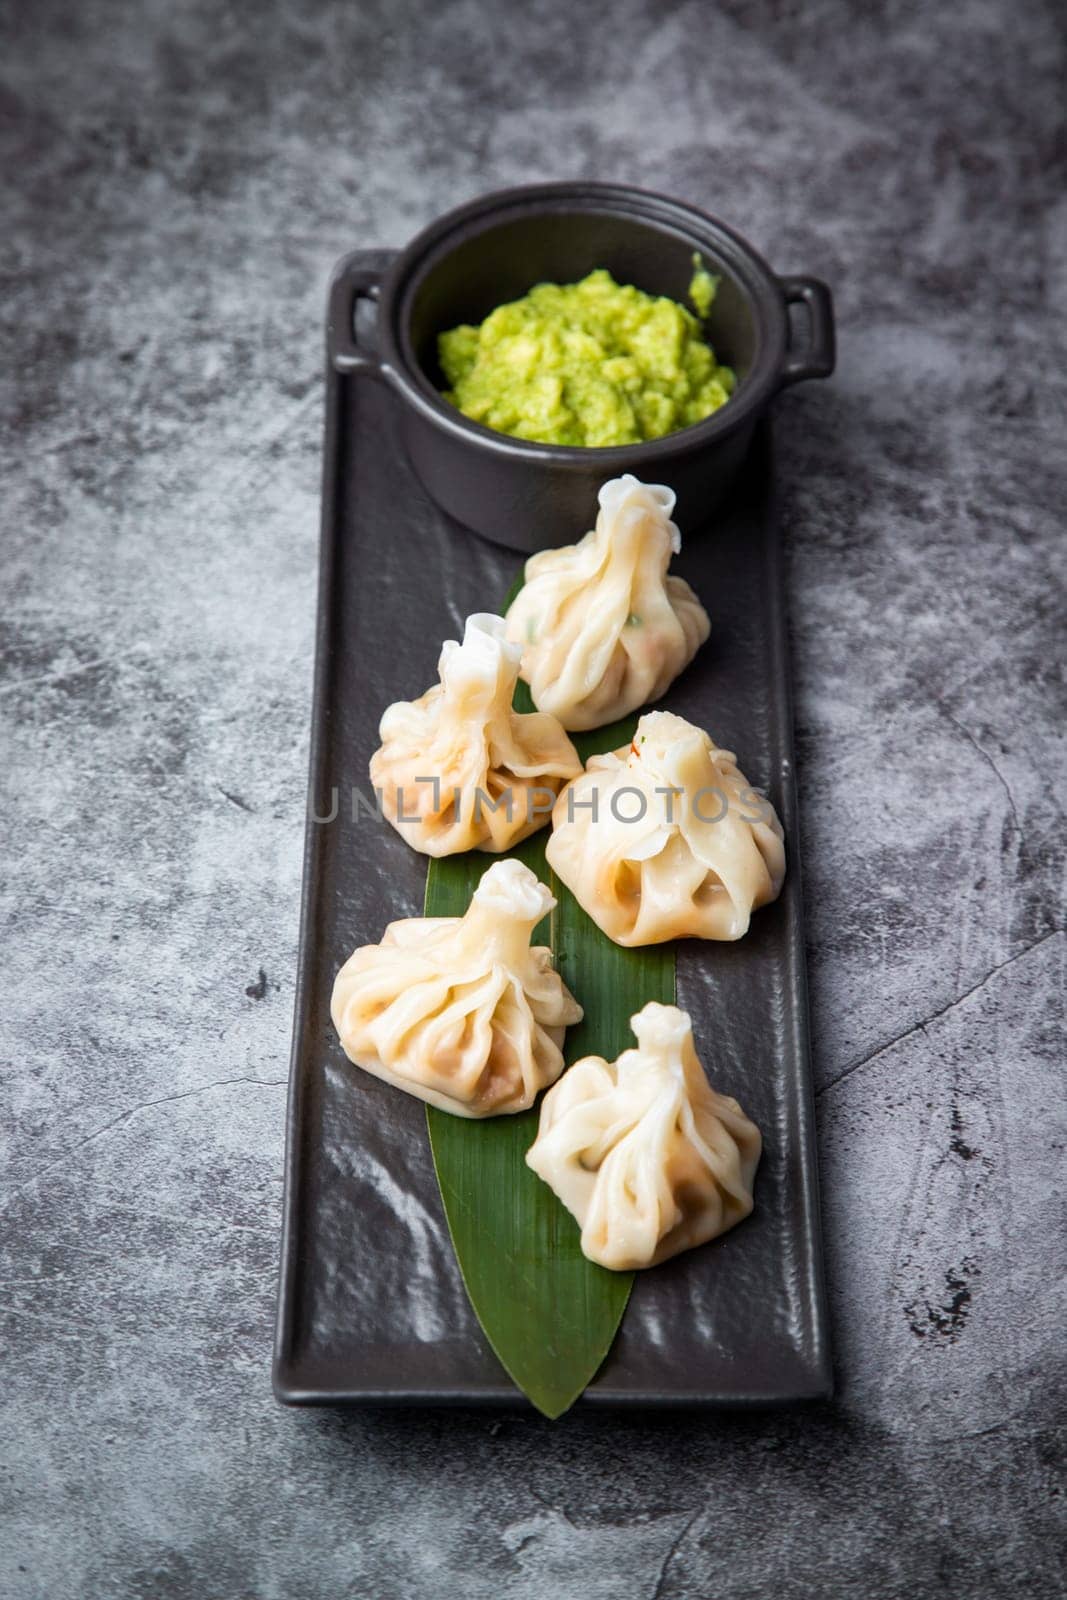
point(702, 287)
point(591, 363)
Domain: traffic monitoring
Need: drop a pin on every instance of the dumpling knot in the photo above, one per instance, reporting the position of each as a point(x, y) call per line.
point(662, 1030)
point(510, 889)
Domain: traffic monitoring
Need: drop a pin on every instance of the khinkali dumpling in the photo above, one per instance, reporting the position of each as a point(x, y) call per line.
point(461, 1011)
point(665, 839)
point(644, 1154)
point(603, 628)
point(447, 759)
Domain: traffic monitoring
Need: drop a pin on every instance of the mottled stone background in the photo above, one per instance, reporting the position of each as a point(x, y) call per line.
point(178, 179)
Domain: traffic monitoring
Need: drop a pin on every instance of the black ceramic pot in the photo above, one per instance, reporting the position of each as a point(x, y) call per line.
point(530, 496)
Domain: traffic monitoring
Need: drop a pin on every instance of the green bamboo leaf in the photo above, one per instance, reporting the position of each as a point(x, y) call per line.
point(550, 1315)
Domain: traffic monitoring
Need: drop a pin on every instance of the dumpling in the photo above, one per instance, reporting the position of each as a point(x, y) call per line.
point(461, 1011)
point(458, 769)
point(665, 839)
point(644, 1154)
point(603, 629)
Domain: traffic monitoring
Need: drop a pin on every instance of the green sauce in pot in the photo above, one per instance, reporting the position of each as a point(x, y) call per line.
point(592, 363)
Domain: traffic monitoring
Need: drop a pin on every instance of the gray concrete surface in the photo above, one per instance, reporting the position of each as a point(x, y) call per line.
point(177, 181)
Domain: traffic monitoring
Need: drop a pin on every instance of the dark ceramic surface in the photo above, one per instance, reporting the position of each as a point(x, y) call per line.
point(494, 250)
point(372, 1304)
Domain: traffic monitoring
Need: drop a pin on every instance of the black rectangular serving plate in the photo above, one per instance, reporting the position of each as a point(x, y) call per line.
point(372, 1308)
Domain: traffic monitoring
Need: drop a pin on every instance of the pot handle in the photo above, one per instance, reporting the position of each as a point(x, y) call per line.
point(817, 360)
point(355, 279)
